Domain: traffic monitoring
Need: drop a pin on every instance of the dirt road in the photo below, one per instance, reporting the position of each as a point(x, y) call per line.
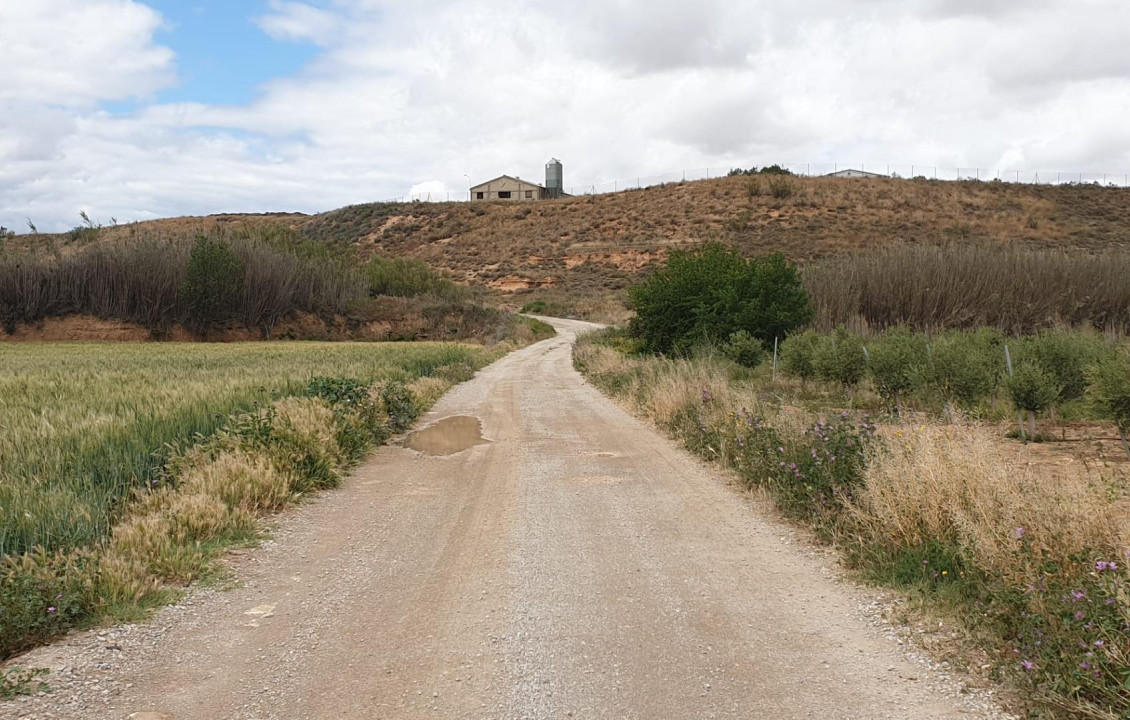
point(576, 565)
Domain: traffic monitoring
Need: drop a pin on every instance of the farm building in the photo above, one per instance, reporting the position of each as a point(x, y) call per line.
point(507, 187)
point(850, 173)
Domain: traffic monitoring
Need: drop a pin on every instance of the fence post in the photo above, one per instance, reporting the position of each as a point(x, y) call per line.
point(1019, 415)
point(775, 341)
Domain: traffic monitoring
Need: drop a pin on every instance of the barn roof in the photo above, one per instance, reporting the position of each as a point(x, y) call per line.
point(507, 177)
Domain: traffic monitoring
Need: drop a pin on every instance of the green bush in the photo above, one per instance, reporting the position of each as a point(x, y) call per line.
point(400, 405)
point(841, 359)
point(1033, 390)
point(1066, 356)
point(744, 349)
point(1109, 387)
point(213, 284)
point(337, 391)
point(708, 294)
point(966, 366)
point(537, 307)
point(895, 362)
point(798, 354)
point(407, 277)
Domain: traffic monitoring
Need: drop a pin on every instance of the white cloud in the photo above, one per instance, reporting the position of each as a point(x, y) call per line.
point(78, 52)
point(297, 21)
point(407, 97)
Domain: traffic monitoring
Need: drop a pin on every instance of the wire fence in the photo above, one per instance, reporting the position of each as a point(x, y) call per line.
point(887, 170)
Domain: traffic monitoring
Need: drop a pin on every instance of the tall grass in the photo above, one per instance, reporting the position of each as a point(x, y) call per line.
point(962, 286)
point(83, 425)
point(140, 280)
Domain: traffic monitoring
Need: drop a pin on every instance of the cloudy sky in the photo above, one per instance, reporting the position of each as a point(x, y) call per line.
point(133, 109)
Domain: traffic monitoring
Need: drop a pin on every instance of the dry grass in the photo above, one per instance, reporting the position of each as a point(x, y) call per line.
point(959, 483)
point(1016, 290)
point(169, 534)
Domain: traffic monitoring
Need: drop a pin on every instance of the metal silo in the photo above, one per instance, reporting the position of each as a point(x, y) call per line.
point(554, 178)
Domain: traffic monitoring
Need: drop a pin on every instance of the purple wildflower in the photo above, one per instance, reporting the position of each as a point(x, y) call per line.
point(1028, 665)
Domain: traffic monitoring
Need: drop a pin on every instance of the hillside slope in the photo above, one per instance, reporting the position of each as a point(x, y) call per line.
point(599, 243)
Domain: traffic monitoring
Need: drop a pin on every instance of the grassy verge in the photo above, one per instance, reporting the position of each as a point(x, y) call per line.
point(1032, 560)
point(128, 468)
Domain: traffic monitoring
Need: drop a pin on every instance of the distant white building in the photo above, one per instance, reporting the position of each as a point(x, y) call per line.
point(850, 173)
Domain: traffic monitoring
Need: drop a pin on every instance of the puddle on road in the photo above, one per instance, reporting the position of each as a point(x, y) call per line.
point(448, 436)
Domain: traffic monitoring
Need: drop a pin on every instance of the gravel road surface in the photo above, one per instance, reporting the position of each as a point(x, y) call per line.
point(575, 565)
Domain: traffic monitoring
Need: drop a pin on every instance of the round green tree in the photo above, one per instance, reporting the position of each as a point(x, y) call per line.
point(708, 294)
point(1033, 389)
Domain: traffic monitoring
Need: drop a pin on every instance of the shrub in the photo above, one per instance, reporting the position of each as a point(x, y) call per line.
point(399, 405)
point(966, 366)
point(1109, 387)
point(1032, 390)
point(337, 391)
point(781, 188)
point(744, 349)
point(895, 362)
point(537, 307)
point(841, 359)
point(361, 422)
point(708, 294)
point(798, 354)
point(1066, 356)
point(213, 284)
point(407, 277)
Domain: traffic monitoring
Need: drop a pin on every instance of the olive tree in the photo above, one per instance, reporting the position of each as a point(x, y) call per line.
point(1109, 386)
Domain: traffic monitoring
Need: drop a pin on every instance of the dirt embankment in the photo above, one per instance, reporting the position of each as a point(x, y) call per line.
point(83, 328)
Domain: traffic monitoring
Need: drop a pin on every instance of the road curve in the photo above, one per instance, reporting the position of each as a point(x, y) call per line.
point(577, 565)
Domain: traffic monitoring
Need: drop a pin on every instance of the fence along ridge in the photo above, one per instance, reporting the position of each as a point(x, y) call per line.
point(896, 171)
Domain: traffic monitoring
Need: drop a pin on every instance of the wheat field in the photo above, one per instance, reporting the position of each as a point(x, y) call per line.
point(82, 425)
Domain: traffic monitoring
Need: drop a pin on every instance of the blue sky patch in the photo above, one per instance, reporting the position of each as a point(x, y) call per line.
point(222, 55)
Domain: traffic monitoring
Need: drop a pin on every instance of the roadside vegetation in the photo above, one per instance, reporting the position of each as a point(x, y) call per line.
point(258, 282)
point(891, 447)
point(115, 495)
point(1012, 289)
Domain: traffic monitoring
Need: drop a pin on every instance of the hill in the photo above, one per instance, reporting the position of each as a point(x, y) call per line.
point(592, 245)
